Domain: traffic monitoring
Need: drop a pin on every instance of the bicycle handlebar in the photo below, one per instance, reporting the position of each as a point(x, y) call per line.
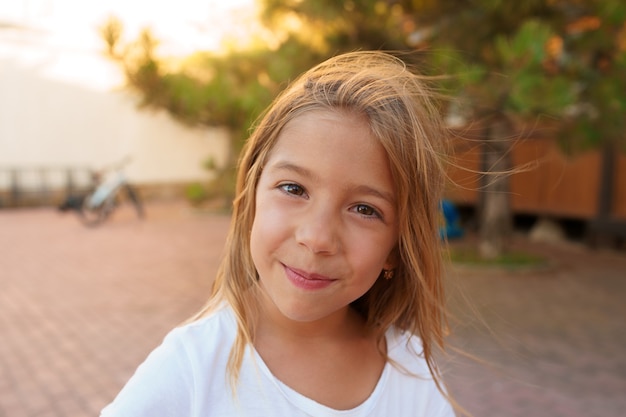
point(115, 166)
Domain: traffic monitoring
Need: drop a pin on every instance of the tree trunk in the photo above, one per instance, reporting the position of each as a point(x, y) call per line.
point(495, 213)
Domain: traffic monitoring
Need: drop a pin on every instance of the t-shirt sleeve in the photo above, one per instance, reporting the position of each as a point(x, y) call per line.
point(414, 382)
point(162, 385)
point(445, 409)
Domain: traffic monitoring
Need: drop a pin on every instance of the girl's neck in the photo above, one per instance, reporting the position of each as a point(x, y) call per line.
point(320, 359)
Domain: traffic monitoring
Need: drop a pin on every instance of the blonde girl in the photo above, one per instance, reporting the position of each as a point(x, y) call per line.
point(329, 300)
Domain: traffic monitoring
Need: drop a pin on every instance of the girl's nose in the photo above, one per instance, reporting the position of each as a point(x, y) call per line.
point(317, 230)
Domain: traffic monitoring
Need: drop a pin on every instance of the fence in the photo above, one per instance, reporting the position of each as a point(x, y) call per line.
point(589, 186)
point(41, 186)
point(548, 181)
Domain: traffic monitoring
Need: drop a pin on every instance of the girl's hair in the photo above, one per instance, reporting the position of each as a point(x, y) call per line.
point(401, 115)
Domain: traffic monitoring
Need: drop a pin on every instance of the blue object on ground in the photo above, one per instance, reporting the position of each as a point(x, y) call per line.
point(451, 228)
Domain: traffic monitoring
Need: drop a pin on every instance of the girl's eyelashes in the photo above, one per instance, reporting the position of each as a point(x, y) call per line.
point(363, 210)
point(293, 189)
point(367, 211)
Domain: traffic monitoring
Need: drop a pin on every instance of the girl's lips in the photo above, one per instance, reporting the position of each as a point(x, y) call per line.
point(305, 280)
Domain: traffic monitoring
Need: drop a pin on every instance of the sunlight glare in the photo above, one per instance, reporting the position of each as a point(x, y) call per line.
point(61, 37)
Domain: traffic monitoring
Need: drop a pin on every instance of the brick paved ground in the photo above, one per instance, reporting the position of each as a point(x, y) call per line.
point(80, 308)
point(552, 342)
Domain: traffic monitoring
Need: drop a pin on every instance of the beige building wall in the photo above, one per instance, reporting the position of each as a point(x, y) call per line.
point(62, 104)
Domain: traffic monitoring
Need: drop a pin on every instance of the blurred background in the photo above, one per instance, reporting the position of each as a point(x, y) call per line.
point(533, 94)
point(149, 103)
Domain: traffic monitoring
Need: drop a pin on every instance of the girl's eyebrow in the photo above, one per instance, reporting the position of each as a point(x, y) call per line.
point(360, 189)
point(366, 189)
point(288, 166)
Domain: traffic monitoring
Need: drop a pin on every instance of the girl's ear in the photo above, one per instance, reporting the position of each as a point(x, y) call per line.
point(392, 259)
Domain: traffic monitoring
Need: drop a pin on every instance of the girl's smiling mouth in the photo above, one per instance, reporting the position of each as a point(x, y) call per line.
point(307, 281)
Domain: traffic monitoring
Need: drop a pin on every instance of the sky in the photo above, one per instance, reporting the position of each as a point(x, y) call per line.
point(184, 24)
point(61, 36)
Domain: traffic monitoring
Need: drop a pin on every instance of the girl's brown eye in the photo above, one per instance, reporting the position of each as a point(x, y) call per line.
point(367, 211)
point(294, 189)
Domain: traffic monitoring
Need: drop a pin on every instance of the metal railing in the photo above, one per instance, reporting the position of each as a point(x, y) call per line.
point(41, 186)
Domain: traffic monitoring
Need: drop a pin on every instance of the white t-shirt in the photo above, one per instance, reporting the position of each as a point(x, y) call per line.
point(186, 377)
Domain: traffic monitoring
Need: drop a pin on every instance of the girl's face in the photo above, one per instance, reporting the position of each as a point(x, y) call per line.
point(326, 221)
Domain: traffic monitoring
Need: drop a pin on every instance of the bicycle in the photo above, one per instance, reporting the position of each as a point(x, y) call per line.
point(98, 205)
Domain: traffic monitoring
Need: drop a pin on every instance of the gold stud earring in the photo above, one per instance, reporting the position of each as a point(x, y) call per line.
point(387, 274)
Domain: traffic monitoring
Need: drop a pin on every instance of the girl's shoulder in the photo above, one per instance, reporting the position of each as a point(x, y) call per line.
point(165, 383)
point(216, 330)
point(405, 349)
point(409, 382)
point(398, 339)
point(221, 318)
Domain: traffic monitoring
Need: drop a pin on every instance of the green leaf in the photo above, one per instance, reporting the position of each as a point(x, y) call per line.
point(527, 47)
point(533, 93)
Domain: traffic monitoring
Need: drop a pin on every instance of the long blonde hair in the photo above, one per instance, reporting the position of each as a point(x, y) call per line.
point(402, 116)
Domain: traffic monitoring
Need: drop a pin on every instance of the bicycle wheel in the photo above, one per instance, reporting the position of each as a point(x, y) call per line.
point(95, 215)
point(134, 197)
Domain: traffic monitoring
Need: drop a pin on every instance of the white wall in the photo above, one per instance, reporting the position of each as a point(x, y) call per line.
point(62, 103)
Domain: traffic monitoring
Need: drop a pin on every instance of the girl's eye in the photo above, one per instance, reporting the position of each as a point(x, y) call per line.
point(367, 211)
point(294, 189)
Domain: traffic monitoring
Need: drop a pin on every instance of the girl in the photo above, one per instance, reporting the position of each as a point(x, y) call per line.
point(329, 300)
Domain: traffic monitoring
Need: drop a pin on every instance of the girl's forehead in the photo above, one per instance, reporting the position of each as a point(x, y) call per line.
point(318, 117)
point(305, 133)
point(331, 141)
